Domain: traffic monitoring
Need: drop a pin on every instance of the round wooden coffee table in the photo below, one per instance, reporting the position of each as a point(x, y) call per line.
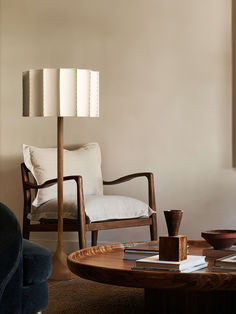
point(165, 292)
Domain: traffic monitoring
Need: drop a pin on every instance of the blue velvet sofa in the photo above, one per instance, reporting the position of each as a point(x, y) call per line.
point(24, 269)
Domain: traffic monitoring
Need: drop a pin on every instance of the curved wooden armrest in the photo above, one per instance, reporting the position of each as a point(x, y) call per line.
point(150, 178)
point(49, 183)
point(129, 177)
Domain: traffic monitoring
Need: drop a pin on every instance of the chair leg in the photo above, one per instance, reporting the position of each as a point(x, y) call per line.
point(153, 228)
point(82, 238)
point(26, 233)
point(94, 237)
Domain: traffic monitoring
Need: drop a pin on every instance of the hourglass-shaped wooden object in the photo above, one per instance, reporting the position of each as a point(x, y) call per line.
point(173, 247)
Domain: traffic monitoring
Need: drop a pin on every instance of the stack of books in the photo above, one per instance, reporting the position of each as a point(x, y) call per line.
point(141, 250)
point(225, 264)
point(213, 253)
point(192, 263)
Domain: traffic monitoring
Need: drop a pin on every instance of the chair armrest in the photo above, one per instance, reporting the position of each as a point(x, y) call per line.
point(80, 194)
point(150, 178)
point(128, 178)
point(48, 183)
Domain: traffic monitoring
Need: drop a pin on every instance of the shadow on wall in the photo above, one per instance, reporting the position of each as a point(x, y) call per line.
point(11, 191)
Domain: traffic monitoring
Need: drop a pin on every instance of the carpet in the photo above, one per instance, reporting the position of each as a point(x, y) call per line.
point(85, 297)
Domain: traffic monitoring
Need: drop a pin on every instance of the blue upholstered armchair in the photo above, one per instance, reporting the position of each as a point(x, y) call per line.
point(24, 269)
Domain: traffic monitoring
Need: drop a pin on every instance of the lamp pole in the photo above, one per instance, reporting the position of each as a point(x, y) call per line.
point(60, 270)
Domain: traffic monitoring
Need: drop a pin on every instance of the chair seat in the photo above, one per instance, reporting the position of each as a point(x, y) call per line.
point(97, 208)
point(36, 263)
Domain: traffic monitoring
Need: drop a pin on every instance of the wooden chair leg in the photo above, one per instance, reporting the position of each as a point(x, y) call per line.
point(82, 238)
point(94, 237)
point(26, 234)
point(153, 228)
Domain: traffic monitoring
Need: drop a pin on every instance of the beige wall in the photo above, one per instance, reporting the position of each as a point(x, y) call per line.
point(165, 98)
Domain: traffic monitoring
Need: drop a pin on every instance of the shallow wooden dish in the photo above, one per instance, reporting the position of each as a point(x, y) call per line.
point(220, 239)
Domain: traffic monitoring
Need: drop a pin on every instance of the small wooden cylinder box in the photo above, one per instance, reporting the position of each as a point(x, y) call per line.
point(172, 248)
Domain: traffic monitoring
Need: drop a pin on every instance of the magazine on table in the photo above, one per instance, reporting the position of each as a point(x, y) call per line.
point(225, 264)
point(141, 250)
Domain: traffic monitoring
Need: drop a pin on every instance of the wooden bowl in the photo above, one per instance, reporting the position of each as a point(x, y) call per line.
point(220, 239)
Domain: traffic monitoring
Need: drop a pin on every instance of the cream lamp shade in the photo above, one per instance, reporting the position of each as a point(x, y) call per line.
point(65, 92)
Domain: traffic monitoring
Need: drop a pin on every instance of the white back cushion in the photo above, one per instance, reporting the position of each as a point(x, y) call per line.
point(84, 161)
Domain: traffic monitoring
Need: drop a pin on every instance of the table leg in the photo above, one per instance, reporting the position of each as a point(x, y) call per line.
point(190, 302)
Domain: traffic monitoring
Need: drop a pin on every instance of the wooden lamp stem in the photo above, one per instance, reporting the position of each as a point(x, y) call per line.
point(60, 180)
point(60, 270)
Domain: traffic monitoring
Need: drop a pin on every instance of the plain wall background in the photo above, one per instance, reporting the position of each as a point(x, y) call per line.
point(165, 99)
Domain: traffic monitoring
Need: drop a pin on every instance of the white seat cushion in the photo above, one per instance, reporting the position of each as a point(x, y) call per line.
point(97, 208)
point(84, 161)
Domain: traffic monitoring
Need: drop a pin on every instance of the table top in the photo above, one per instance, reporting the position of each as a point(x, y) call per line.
point(105, 264)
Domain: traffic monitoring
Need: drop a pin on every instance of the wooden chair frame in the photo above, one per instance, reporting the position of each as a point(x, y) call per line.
point(82, 224)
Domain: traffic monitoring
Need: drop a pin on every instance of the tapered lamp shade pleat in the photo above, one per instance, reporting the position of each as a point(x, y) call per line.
point(61, 93)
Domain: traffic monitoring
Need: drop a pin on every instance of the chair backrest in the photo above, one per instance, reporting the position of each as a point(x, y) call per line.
point(25, 175)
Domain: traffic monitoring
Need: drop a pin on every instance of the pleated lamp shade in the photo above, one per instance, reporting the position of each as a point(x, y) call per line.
point(65, 92)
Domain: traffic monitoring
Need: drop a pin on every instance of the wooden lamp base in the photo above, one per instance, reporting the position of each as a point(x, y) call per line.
point(173, 248)
point(60, 270)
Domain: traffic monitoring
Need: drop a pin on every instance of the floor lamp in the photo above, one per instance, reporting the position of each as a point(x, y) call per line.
point(65, 92)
